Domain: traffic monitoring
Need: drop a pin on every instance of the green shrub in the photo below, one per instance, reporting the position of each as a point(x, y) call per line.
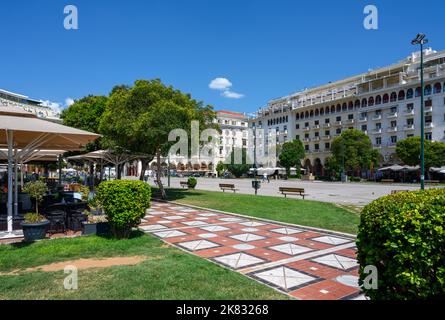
point(192, 182)
point(403, 235)
point(124, 203)
point(34, 218)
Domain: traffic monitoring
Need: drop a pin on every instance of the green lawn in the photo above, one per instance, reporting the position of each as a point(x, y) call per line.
point(167, 274)
point(303, 212)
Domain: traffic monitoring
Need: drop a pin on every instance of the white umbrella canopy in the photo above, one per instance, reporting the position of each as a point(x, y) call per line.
point(23, 134)
point(395, 167)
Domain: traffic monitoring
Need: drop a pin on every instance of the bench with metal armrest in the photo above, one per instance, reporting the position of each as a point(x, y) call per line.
point(292, 191)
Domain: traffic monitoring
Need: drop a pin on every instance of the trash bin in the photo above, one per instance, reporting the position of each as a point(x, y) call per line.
point(256, 184)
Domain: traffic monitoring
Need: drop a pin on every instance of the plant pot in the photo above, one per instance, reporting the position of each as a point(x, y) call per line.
point(100, 228)
point(34, 231)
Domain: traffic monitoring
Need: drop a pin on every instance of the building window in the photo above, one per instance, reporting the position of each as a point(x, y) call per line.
point(306, 125)
point(351, 117)
point(297, 137)
point(297, 126)
point(317, 134)
point(327, 133)
point(409, 94)
point(317, 122)
point(317, 147)
point(409, 122)
point(429, 136)
point(393, 139)
point(378, 126)
point(393, 124)
point(338, 131)
point(410, 106)
point(364, 127)
point(378, 141)
point(306, 147)
point(338, 118)
point(327, 145)
point(328, 120)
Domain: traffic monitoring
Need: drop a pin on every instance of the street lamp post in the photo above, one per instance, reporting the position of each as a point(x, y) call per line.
point(420, 40)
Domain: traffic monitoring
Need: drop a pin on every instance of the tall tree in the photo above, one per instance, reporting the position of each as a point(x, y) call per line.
point(85, 114)
point(354, 152)
point(291, 154)
point(140, 118)
point(408, 151)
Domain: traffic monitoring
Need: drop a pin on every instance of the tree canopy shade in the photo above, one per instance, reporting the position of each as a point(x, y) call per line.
point(353, 150)
point(238, 169)
point(85, 114)
point(408, 151)
point(291, 154)
point(140, 118)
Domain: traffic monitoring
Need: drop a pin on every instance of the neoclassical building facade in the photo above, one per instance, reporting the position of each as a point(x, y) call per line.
point(383, 103)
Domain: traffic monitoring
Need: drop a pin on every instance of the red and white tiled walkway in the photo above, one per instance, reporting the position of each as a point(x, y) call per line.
point(302, 263)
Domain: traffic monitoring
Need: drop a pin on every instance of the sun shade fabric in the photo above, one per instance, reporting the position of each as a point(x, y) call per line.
point(27, 129)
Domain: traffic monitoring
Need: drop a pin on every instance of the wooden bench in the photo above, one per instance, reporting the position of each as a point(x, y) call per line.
point(226, 186)
point(432, 181)
point(184, 184)
point(292, 191)
point(387, 181)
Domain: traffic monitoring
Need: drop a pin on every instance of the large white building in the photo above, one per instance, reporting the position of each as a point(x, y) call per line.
point(37, 107)
point(383, 103)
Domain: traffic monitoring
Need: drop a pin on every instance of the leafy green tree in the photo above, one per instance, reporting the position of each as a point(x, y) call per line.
point(220, 168)
point(238, 169)
point(408, 151)
point(332, 168)
point(85, 114)
point(353, 151)
point(140, 118)
point(291, 154)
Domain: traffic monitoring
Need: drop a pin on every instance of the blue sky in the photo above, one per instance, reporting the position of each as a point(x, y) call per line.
point(265, 48)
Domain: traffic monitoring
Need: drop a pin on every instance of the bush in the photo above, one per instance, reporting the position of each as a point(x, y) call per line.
point(192, 182)
point(33, 218)
point(403, 235)
point(124, 203)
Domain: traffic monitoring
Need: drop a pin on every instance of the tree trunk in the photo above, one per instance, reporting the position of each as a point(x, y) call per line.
point(144, 165)
point(161, 187)
point(119, 171)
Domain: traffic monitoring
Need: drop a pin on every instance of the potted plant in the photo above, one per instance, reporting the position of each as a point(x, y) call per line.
point(192, 182)
point(95, 224)
point(34, 226)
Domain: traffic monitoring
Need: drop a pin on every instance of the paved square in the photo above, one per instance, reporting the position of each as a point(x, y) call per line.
point(290, 249)
point(297, 261)
point(198, 245)
point(337, 261)
point(238, 260)
point(286, 230)
point(247, 237)
point(285, 278)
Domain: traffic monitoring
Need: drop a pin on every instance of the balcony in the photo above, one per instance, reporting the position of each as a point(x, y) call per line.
point(429, 109)
point(377, 117)
point(306, 128)
point(392, 129)
point(429, 125)
point(363, 119)
point(349, 121)
point(316, 139)
point(316, 127)
point(377, 146)
point(327, 149)
point(392, 145)
point(338, 123)
point(306, 140)
point(316, 151)
point(326, 125)
point(409, 127)
point(391, 115)
point(376, 131)
point(408, 112)
point(327, 137)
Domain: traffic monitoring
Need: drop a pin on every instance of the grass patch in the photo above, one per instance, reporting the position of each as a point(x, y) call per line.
point(172, 274)
point(304, 212)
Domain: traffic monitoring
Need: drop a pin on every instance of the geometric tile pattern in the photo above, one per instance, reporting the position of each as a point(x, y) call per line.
point(300, 262)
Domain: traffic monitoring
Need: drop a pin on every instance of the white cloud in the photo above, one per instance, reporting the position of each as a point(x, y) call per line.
point(69, 102)
point(55, 106)
point(220, 84)
point(232, 95)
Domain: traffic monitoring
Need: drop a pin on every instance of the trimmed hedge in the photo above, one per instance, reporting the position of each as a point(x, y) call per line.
point(124, 202)
point(403, 235)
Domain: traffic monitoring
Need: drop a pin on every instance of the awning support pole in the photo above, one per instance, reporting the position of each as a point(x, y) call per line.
point(16, 186)
point(10, 139)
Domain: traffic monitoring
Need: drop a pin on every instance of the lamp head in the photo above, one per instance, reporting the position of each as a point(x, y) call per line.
point(420, 39)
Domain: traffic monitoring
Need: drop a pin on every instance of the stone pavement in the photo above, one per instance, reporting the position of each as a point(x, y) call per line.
point(303, 263)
